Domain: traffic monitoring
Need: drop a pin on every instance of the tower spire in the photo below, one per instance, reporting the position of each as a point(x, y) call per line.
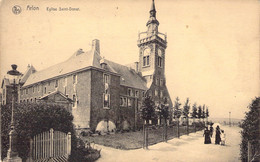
point(152, 10)
point(152, 19)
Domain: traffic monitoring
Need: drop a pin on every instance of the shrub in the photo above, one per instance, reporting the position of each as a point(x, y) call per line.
point(250, 128)
point(32, 119)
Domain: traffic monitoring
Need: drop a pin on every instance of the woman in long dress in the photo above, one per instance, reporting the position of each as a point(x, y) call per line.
point(217, 139)
point(207, 136)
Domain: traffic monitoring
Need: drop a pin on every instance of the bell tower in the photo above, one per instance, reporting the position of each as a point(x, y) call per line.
point(152, 45)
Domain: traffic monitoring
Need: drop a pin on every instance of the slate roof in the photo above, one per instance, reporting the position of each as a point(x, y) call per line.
point(80, 60)
point(129, 77)
point(75, 62)
point(56, 92)
point(27, 73)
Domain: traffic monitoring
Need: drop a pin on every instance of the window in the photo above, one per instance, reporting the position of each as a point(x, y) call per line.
point(33, 89)
point(20, 91)
point(136, 93)
point(123, 101)
point(56, 83)
point(161, 95)
point(38, 87)
point(159, 58)
point(161, 82)
point(65, 81)
point(106, 100)
point(129, 102)
point(74, 77)
point(65, 90)
point(146, 61)
point(26, 90)
point(35, 99)
point(106, 78)
point(74, 98)
point(31, 100)
point(45, 90)
point(49, 83)
point(146, 53)
point(143, 94)
point(129, 92)
point(159, 61)
point(157, 81)
point(156, 92)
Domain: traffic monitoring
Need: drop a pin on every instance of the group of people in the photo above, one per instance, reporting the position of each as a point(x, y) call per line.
point(220, 136)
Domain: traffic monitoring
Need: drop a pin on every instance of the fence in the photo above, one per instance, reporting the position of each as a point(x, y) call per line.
point(50, 146)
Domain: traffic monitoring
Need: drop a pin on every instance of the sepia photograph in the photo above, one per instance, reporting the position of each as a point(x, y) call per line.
point(129, 80)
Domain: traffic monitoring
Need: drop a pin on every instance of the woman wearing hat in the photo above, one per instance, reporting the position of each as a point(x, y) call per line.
point(207, 136)
point(217, 139)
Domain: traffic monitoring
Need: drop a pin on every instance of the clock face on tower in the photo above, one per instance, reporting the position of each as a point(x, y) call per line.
point(147, 51)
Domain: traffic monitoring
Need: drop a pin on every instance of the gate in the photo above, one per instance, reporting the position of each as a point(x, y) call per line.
point(50, 146)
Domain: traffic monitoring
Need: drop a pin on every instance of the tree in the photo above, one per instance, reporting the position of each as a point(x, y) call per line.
point(203, 113)
point(148, 109)
point(177, 113)
point(194, 113)
point(207, 113)
point(147, 113)
point(32, 119)
point(250, 131)
point(164, 113)
point(199, 112)
point(186, 111)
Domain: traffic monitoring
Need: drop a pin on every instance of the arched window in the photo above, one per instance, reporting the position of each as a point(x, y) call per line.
point(159, 61)
point(146, 57)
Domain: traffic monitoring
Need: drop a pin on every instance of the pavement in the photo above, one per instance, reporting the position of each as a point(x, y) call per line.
point(187, 148)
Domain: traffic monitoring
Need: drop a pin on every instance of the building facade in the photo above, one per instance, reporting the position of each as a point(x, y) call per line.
point(100, 90)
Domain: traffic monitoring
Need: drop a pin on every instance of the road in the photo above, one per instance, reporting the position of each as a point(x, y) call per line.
point(185, 149)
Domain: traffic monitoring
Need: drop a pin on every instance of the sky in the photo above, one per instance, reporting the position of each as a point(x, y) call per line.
point(213, 45)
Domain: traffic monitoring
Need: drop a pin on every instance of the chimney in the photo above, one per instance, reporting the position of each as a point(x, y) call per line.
point(96, 46)
point(136, 67)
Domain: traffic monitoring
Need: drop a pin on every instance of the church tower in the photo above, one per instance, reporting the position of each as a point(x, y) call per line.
point(152, 45)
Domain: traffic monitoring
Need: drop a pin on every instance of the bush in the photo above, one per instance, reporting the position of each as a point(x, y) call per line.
point(250, 128)
point(84, 152)
point(32, 119)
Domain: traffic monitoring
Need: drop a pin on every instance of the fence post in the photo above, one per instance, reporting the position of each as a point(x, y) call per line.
point(143, 136)
point(69, 143)
point(249, 155)
point(51, 142)
point(147, 129)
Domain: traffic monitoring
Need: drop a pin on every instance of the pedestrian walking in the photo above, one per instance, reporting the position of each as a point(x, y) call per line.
point(206, 134)
point(211, 129)
point(218, 138)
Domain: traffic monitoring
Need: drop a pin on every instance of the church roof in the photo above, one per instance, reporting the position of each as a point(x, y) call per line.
point(129, 77)
point(76, 62)
point(83, 60)
point(28, 72)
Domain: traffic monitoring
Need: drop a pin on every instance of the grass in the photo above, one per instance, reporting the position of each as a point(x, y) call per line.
point(134, 140)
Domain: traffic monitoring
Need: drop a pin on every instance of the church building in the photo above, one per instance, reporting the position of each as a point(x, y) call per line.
point(99, 90)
